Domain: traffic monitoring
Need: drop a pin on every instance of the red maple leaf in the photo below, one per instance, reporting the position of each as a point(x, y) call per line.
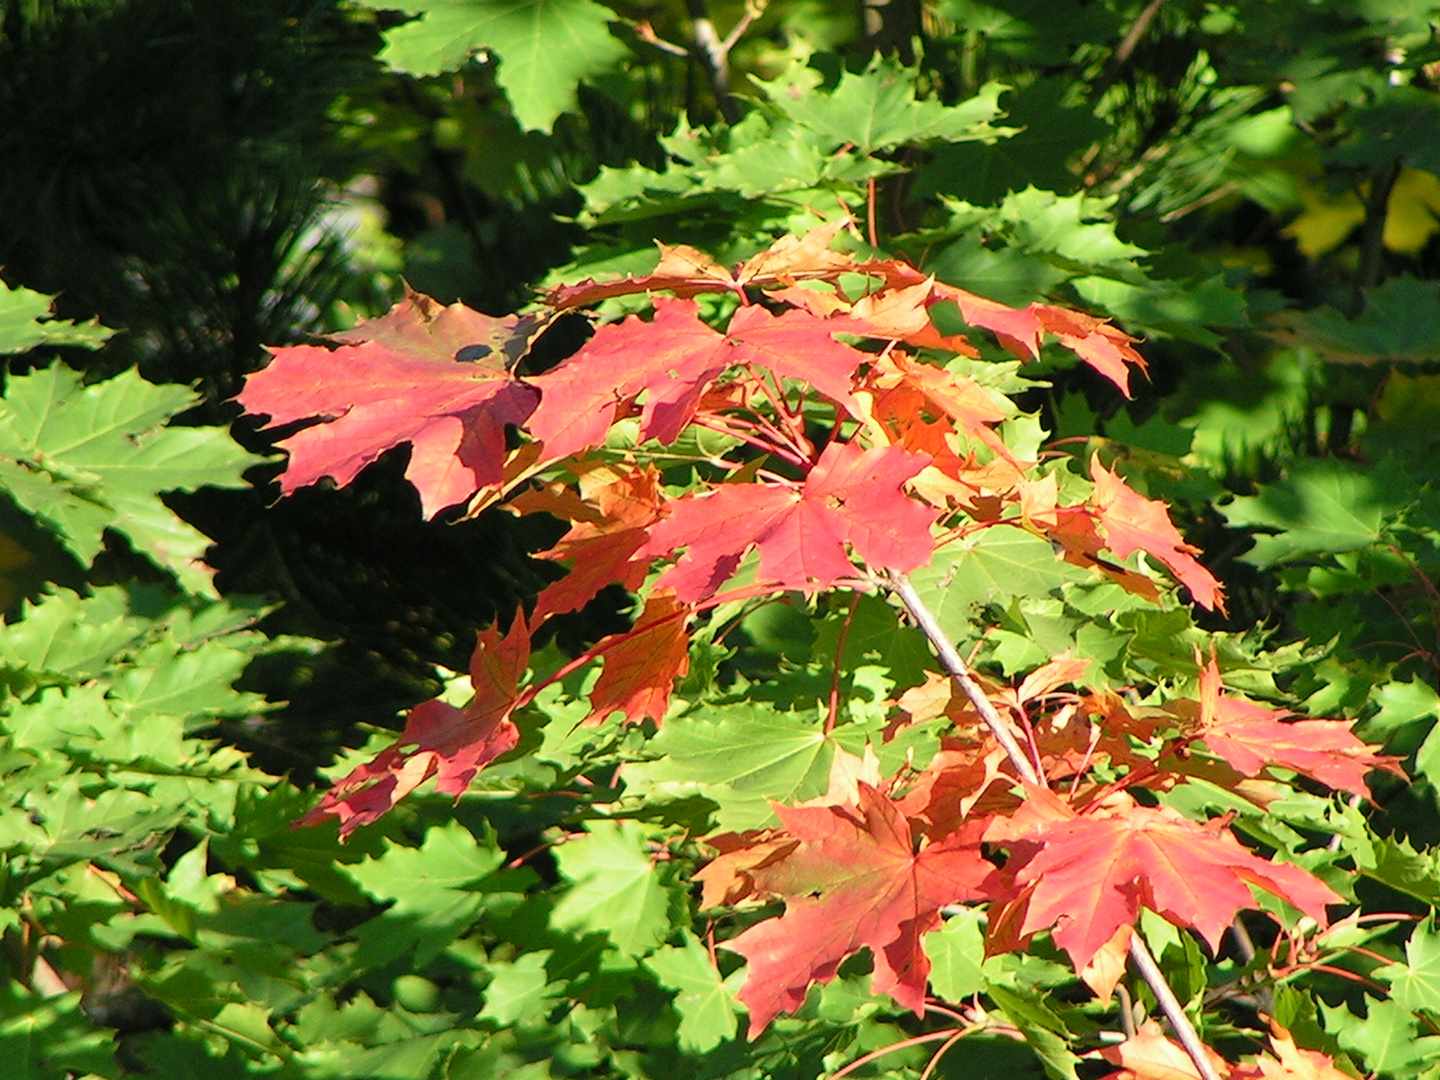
point(1095, 341)
point(439, 740)
point(852, 497)
point(851, 878)
point(398, 380)
point(1250, 737)
point(797, 345)
point(673, 359)
point(643, 664)
point(1105, 348)
point(420, 326)
point(1131, 522)
point(1089, 875)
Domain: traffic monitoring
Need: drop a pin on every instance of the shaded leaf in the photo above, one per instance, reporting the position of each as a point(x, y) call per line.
point(1322, 507)
point(439, 740)
point(545, 47)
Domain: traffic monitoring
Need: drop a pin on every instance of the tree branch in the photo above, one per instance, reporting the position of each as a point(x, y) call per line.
point(1372, 233)
point(958, 670)
point(1125, 49)
point(715, 55)
point(1148, 970)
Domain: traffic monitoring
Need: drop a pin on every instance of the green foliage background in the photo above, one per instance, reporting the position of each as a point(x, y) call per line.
point(1253, 187)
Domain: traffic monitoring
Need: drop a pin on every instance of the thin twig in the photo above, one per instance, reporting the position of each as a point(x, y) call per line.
point(753, 10)
point(839, 653)
point(715, 55)
point(1148, 970)
point(1125, 49)
point(646, 33)
point(903, 1044)
point(1244, 943)
point(870, 212)
point(1200, 203)
point(1127, 1011)
point(1372, 233)
point(958, 670)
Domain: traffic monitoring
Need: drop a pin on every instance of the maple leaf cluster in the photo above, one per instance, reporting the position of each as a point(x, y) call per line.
point(848, 451)
point(1150, 1055)
point(447, 382)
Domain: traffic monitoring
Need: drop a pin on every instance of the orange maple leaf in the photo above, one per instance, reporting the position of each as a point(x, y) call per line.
point(683, 271)
point(1132, 522)
point(610, 522)
point(641, 668)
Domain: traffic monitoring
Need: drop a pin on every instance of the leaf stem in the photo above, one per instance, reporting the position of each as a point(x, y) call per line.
point(1372, 233)
point(958, 670)
point(835, 674)
point(903, 1044)
point(945, 1046)
point(728, 426)
point(794, 424)
point(1148, 970)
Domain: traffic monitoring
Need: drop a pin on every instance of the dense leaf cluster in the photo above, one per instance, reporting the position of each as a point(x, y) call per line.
point(946, 542)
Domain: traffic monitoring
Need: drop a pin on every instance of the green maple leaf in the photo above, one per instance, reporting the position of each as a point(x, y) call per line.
point(995, 567)
point(956, 952)
point(84, 459)
point(1416, 983)
point(25, 322)
point(519, 990)
point(546, 47)
point(705, 1001)
point(1388, 1037)
point(1322, 507)
point(615, 888)
point(435, 889)
point(740, 757)
point(878, 109)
